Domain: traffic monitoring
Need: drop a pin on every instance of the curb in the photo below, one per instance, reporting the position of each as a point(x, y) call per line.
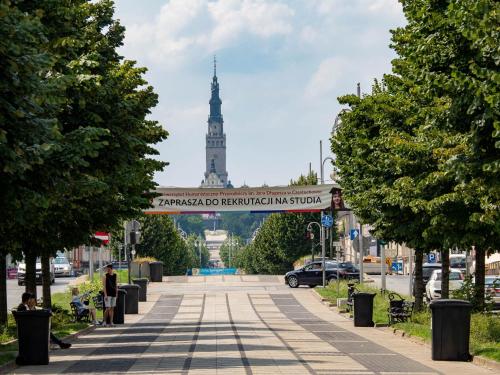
point(10, 366)
point(486, 362)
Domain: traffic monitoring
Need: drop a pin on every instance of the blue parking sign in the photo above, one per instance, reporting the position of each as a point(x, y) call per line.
point(327, 221)
point(353, 234)
point(431, 258)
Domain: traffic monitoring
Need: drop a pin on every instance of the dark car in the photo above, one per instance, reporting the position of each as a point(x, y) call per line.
point(427, 269)
point(312, 274)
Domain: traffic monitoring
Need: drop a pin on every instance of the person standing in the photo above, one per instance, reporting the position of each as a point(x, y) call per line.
point(110, 294)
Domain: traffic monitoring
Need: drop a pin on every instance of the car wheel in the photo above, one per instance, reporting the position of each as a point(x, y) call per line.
point(20, 283)
point(293, 282)
point(332, 281)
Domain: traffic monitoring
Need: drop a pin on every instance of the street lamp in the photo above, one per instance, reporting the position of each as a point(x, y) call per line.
point(321, 238)
point(198, 244)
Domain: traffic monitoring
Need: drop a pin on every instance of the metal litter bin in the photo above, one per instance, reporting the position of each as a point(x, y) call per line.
point(156, 271)
point(363, 309)
point(119, 313)
point(450, 330)
point(132, 300)
point(33, 335)
point(143, 291)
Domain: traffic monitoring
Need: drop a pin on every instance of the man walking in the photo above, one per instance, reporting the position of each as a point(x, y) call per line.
point(110, 294)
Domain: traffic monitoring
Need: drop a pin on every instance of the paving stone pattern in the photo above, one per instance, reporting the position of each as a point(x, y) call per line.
point(239, 325)
point(374, 357)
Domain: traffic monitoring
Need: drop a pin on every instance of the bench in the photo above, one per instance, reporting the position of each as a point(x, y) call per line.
point(399, 310)
point(98, 301)
point(82, 317)
point(351, 289)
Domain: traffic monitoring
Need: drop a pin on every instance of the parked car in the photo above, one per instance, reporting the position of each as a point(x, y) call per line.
point(62, 267)
point(427, 269)
point(312, 273)
point(492, 287)
point(21, 272)
point(433, 287)
point(458, 261)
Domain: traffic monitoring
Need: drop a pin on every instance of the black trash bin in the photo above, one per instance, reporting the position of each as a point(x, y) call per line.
point(119, 313)
point(143, 291)
point(156, 271)
point(450, 330)
point(132, 300)
point(33, 335)
point(363, 309)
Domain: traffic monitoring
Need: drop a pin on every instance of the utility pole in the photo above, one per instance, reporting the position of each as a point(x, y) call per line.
point(382, 266)
point(360, 237)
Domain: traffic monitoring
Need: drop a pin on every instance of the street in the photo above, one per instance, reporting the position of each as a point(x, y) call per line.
point(395, 283)
point(242, 325)
point(14, 291)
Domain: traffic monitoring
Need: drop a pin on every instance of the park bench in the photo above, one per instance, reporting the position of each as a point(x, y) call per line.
point(399, 310)
point(351, 289)
point(83, 317)
point(98, 301)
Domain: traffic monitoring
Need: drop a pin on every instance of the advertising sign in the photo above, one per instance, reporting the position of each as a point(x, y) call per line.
point(312, 198)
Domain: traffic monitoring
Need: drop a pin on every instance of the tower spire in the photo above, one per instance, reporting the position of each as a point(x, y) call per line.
point(215, 66)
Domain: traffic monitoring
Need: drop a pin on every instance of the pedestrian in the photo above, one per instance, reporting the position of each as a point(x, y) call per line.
point(110, 294)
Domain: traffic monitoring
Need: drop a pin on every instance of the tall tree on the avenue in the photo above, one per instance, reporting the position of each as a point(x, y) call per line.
point(449, 57)
point(96, 169)
point(27, 126)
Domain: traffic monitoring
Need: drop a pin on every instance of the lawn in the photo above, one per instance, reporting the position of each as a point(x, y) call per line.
point(485, 328)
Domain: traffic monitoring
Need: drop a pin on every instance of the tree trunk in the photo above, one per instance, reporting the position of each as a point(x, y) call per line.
point(30, 276)
point(3, 290)
point(419, 282)
point(46, 280)
point(445, 273)
point(479, 278)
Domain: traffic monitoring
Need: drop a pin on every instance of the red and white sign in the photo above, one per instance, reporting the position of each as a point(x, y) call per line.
point(103, 236)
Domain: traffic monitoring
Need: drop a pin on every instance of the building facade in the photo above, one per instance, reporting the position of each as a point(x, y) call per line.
point(215, 171)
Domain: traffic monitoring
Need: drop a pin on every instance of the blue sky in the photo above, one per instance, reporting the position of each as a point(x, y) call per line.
point(281, 66)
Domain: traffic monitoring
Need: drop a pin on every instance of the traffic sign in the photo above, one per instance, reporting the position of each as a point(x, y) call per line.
point(431, 258)
point(354, 233)
point(336, 244)
point(327, 221)
point(103, 236)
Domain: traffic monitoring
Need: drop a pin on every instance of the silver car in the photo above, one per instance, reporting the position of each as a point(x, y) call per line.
point(62, 267)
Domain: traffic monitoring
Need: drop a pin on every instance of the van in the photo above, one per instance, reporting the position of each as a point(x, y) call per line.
point(21, 272)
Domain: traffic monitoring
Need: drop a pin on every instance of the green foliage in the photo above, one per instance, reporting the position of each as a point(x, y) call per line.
point(161, 240)
point(280, 241)
point(233, 249)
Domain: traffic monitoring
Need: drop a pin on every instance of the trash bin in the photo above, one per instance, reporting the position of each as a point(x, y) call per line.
point(119, 313)
point(363, 309)
point(143, 291)
point(156, 271)
point(132, 300)
point(450, 330)
point(33, 334)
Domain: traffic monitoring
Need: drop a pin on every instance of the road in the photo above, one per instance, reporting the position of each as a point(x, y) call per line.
point(396, 283)
point(241, 325)
point(14, 291)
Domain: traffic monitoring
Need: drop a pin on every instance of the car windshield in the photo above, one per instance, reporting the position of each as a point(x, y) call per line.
point(61, 261)
point(457, 262)
point(453, 276)
point(427, 271)
point(489, 281)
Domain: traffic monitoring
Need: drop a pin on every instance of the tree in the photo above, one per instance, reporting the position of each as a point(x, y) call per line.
point(99, 171)
point(161, 240)
point(380, 163)
point(280, 241)
point(449, 57)
point(27, 127)
point(229, 251)
point(195, 246)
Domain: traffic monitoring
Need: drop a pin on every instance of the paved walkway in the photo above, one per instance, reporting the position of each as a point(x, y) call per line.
point(241, 325)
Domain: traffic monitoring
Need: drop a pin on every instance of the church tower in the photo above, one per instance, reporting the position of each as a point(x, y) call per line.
point(215, 171)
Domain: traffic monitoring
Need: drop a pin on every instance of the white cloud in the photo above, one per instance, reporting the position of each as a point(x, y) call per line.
point(185, 26)
point(327, 76)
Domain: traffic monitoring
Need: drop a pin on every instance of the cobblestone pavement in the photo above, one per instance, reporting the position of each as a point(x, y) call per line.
point(241, 325)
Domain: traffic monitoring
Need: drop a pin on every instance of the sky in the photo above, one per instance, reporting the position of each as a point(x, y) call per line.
point(281, 66)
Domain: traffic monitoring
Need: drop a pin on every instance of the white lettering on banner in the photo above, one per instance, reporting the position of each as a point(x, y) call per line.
point(199, 200)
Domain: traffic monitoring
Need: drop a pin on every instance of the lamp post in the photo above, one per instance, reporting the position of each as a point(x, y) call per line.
point(321, 239)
